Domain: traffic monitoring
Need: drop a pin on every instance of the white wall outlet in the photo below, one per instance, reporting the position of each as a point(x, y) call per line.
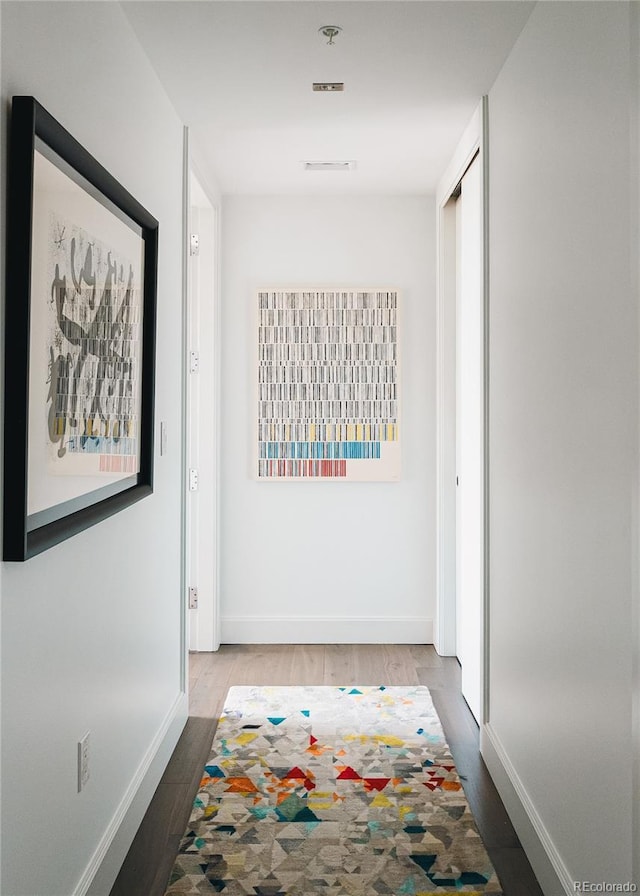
point(83, 761)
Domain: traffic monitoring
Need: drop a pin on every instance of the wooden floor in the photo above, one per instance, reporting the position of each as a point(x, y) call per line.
point(147, 867)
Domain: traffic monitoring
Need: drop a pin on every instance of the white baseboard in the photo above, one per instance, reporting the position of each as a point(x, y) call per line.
point(103, 868)
point(326, 630)
point(545, 860)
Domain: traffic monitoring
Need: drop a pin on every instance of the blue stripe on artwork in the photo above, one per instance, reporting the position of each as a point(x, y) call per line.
point(101, 445)
point(320, 450)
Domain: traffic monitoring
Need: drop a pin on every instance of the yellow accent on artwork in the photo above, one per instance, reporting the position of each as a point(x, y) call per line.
point(359, 429)
point(312, 432)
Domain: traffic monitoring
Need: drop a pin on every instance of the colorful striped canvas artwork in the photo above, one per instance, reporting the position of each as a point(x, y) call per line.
point(328, 385)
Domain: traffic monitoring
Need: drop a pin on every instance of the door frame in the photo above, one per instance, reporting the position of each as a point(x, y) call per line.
point(474, 140)
point(200, 436)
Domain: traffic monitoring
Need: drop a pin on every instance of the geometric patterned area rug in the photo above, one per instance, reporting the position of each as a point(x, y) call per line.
point(328, 791)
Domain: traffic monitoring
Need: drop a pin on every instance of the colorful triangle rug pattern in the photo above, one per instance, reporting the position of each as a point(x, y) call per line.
point(327, 791)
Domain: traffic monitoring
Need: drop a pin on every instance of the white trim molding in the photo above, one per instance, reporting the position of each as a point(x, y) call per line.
point(105, 863)
point(547, 864)
point(327, 630)
point(203, 402)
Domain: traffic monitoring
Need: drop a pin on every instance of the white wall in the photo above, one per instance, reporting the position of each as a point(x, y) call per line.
point(635, 239)
point(91, 629)
point(334, 562)
point(563, 412)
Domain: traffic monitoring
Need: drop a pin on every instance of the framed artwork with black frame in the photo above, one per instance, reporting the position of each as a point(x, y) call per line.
point(79, 339)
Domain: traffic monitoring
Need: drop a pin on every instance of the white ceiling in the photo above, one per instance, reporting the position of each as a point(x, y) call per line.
point(240, 72)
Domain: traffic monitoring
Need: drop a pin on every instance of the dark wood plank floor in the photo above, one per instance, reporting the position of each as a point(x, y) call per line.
point(147, 867)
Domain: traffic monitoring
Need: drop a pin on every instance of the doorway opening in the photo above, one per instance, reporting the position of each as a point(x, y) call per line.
point(462, 570)
point(469, 435)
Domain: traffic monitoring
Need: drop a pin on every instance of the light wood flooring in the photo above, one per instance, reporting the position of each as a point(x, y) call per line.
point(147, 866)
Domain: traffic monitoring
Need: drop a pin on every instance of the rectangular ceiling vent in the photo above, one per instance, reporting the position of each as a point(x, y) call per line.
point(328, 86)
point(330, 166)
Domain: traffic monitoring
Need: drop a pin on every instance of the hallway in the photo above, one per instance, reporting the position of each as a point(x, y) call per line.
point(93, 630)
point(148, 864)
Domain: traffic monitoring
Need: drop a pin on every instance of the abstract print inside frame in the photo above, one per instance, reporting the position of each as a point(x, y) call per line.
point(93, 346)
point(328, 385)
point(86, 341)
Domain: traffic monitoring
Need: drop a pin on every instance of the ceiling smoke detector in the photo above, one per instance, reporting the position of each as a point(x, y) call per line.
point(348, 165)
point(330, 31)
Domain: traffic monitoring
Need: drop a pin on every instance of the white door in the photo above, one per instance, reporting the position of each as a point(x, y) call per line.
point(469, 437)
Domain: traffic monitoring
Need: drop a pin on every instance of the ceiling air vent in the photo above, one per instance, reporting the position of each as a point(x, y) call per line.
point(329, 166)
point(328, 86)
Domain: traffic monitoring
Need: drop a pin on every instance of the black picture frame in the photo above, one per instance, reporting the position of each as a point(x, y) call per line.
point(81, 280)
